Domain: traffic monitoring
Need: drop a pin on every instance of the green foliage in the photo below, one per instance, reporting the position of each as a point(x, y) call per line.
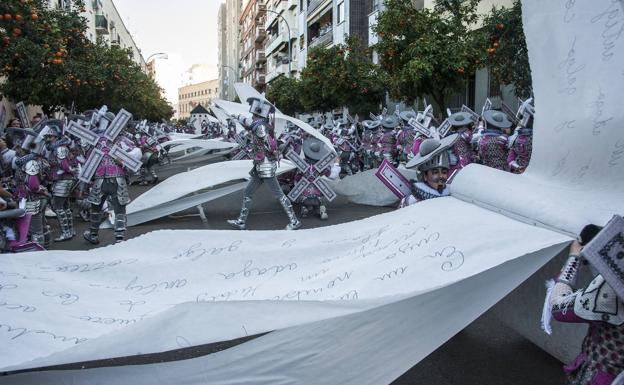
point(323, 83)
point(428, 51)
point(47, 60)
point(503, 46)
point(342, 75)
point(285, 93)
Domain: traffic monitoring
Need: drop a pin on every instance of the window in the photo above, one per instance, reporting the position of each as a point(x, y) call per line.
point(340, 13)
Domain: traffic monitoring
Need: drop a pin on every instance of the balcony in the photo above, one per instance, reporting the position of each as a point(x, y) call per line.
point(261, 11)
point(260, 34)
point(323, 40)
point(115, 42)
point(101, 25)
point(260, 56)
point(276, 42)
point(271, 17)
point(316, 4)
point(260, 79)
point(280, 69)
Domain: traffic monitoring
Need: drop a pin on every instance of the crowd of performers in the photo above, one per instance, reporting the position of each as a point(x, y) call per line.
point(77, 167)
point(407, 139)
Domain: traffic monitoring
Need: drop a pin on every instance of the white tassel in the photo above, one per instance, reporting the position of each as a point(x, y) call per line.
point(547, 310)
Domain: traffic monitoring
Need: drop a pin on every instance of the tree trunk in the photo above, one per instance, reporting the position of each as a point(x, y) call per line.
point(438, 97)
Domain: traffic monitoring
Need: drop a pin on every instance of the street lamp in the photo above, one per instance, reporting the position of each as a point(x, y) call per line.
point(161, 54)
point(289, 37)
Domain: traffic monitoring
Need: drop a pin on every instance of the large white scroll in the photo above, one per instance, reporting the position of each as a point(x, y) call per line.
point(120, 300)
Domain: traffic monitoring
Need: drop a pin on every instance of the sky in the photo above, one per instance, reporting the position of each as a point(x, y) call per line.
point(186, 30)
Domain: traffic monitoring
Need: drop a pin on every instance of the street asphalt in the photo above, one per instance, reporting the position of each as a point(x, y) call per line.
point(485, 353)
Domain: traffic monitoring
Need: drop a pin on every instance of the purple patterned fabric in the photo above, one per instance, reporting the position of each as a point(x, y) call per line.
point(388, 142)
point(263, 147)
point(108, 168)
point(405, 140)
point(462, 151)
point(520, 152)
point(493, 150)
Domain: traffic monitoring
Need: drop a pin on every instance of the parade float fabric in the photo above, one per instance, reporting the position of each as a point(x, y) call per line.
point(357, 303)
point(166, 197)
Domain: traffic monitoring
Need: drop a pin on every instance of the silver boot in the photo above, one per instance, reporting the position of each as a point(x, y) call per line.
point(91, 235)
point(240, 222)
point(65, 234)
point(294, 223)
point(120, 227)
point(70, 216)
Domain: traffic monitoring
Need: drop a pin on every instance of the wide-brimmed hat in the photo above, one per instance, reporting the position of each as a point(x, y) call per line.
point(390, 122)
point(429, 148)
point(371, 124)
point(496, 119)
point(460, 119)
point(314, 148)
point(407, 115)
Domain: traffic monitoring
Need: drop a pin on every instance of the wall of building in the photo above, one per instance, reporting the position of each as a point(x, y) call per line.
point(191, 95)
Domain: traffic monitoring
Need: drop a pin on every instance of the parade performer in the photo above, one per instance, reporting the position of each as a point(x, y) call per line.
point(600, 304)
point(521, 145)
point(149, 148)
point(493, 142)
point(406, 137)
point(432, 162)
point(387, 139)
point(367, 148)
point(108, 159)
point(313, 195)
point(265, 158)
point(30, 179)
point(63, 175)
point(461, 153)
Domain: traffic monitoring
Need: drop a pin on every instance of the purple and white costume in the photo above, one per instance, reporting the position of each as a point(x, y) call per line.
point(265, 154)
point(602, 354)
point(520, 150)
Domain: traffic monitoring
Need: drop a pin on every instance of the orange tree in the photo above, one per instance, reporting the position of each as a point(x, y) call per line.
point(285, 93)
point(504, 43)
point(430, 51)
point(342, 75)
point(46, 60)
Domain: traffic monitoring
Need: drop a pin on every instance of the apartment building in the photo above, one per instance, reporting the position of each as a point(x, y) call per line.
point(192, 95)
point(281, 44)
point(103, 20)
point(327, 22)
point(252, 36)
point(229, 47)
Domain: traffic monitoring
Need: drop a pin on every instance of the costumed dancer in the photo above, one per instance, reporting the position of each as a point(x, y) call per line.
point(461, 153)
point(63, 175)
point(521, 144)
point(312, 198)
point(432, 162)
point(30, 185)
point(406, 137)
point(493, 142)
point(109, 181)
point(599, 304)
point(149, 149)
point(265, 158)
point(387, 139)
point(367, 148)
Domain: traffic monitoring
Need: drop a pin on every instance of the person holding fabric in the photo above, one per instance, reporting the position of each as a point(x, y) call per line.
point(265, 157)
point(601, 361)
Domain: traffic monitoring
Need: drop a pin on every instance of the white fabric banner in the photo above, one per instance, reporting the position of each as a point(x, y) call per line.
point(61, 306)
point(180, 185)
